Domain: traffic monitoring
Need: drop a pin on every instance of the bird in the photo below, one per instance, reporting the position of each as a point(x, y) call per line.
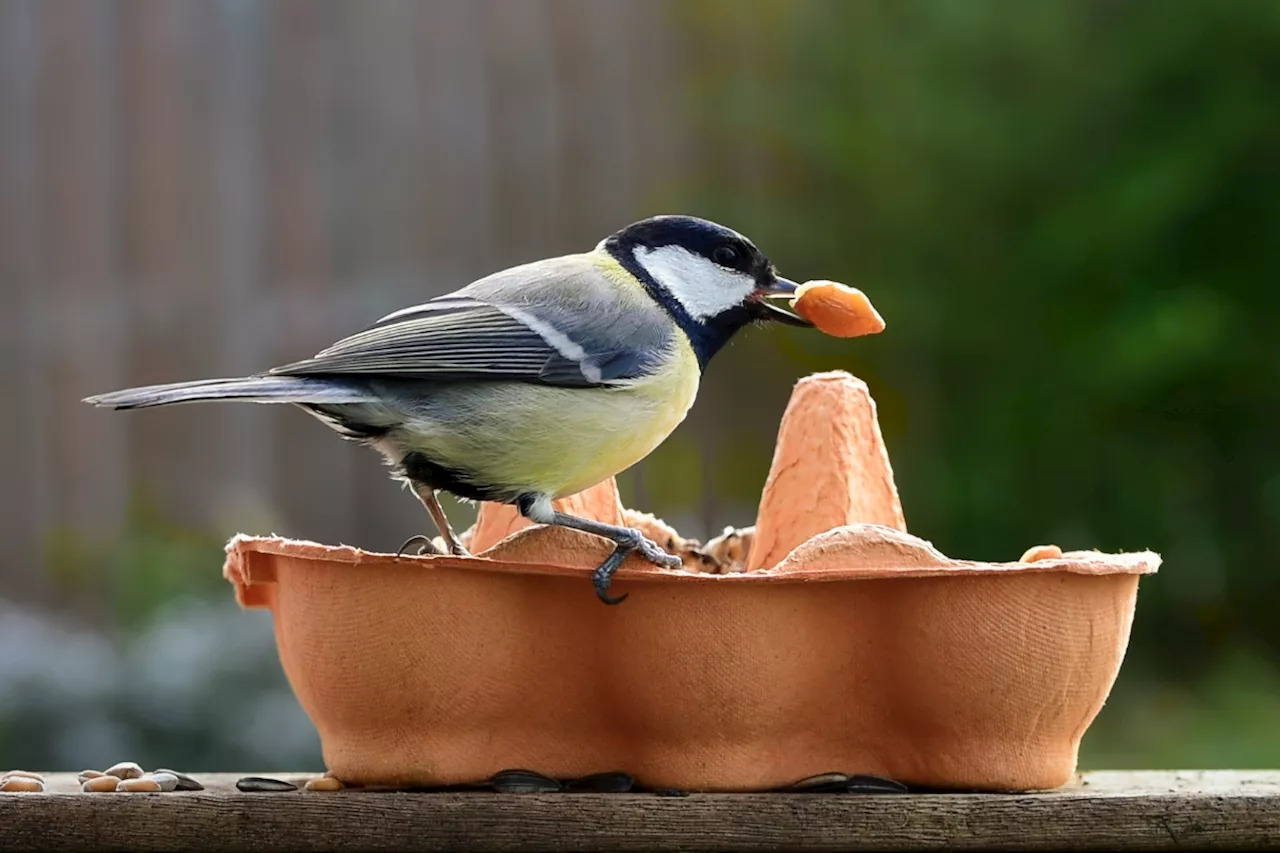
point(535, 382)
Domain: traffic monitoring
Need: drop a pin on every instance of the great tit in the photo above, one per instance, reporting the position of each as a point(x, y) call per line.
point(535, 382)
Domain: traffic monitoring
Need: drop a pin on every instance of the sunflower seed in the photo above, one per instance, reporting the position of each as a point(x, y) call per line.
point(124, 770)
point(842, 783)
point(823, 783)
point(100, 785)
point(167, 781)
point(263, 785)
point(601, 783)
point(21, 784)
point(866, 784)
point(523, 782)
point(185, 782)
point(141, 785)
point(325, 783)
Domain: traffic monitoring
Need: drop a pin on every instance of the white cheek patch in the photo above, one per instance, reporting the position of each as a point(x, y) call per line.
point(703, 287)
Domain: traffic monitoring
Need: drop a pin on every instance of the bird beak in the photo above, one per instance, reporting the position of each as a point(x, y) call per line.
point(781, 288)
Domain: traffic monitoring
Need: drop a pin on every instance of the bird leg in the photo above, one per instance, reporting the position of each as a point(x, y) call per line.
point(626, 542)
point(427, 495)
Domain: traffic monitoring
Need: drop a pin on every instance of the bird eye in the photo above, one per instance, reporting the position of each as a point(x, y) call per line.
point(726, 256)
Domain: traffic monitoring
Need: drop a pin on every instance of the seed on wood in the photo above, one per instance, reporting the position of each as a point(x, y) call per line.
point(100, 785)
point(21, 784)
point(185, 782)
point(141, 785)
point(167, 781)
point(523, 782)
point(263, 785)
point(866, 784)
point(325, 783)
point(821, 784)
point(841, 783)
point(86, 775)
point(9, 774)
point(601, 783)
point(124, 770)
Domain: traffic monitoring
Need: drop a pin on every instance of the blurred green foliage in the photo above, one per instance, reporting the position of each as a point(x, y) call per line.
point(127, 579)
point(1068, 211)
point(1069, 214)
point(1225, 718)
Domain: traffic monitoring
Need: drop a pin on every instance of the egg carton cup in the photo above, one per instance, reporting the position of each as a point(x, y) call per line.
point(841, 643)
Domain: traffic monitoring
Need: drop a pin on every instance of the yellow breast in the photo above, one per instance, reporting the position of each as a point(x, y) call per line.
point(555, 441)
point(620, 426)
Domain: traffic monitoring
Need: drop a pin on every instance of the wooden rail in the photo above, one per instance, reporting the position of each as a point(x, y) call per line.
point(1198, 810)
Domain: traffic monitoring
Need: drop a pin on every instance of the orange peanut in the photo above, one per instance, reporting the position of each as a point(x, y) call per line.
point(837, 309)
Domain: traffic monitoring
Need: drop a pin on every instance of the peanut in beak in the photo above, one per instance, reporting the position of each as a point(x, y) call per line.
point(836, 309)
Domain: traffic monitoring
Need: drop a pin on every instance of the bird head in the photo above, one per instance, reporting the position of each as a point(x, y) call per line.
point(712, 279)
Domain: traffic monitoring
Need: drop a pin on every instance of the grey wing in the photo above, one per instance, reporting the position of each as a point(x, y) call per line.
point(544, 322)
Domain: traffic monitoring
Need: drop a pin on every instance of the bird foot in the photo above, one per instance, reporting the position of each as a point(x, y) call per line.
point(427, 548)
point(635, 542)
point(433, 547)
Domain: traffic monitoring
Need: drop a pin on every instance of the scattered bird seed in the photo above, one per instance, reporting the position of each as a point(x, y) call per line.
point(523, 782)
point(100, 785)
point(166, 781)
point(115, 777)
point(263, 785)
point(21, 784)
point(325, 783)
point(124, 770)
point(185, 782)
point(601, 783)
point(24, 774)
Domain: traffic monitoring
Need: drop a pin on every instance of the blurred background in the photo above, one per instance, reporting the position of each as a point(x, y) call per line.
point(1068, 212)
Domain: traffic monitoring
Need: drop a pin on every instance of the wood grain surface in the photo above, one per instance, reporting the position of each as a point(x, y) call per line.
point(1103, 811)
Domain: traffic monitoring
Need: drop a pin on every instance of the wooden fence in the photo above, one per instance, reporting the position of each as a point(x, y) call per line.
point(193, 188)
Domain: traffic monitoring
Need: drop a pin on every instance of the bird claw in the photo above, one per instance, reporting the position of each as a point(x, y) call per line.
point(636, 543)
point(428, 547)
point(433, 547)
point(603, 575)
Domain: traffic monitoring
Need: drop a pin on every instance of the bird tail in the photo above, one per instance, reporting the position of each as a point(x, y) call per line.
point(252, 389)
